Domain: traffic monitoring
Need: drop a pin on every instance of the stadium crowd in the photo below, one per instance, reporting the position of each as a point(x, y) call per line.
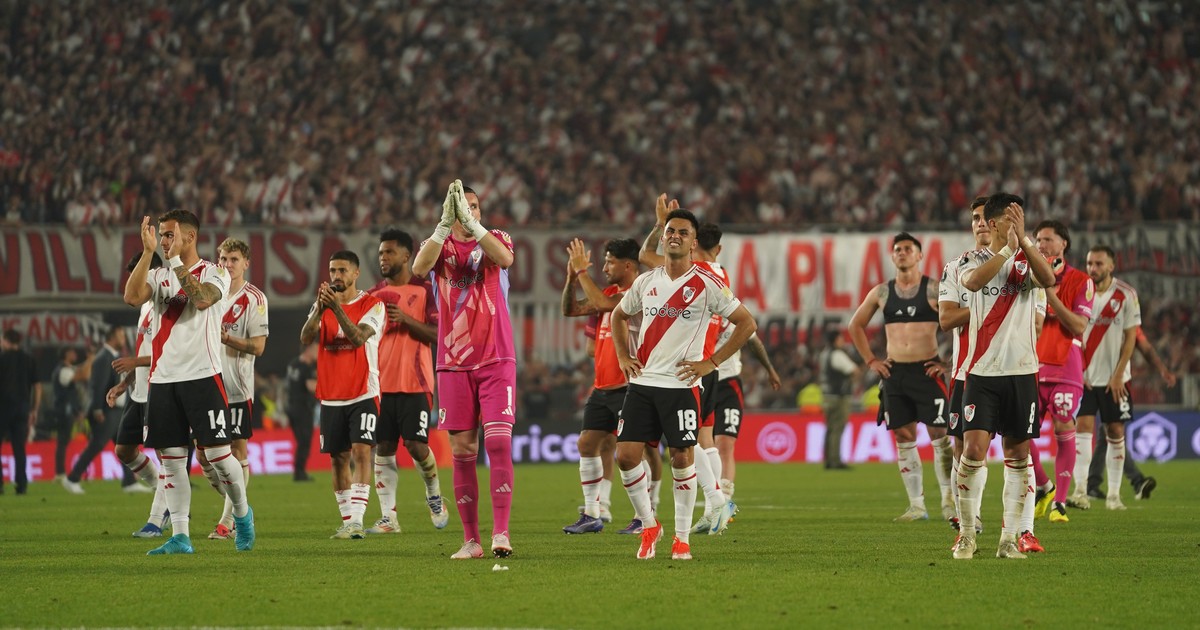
point(331, 113)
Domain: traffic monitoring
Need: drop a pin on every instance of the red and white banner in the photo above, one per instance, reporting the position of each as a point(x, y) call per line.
point(775, 274)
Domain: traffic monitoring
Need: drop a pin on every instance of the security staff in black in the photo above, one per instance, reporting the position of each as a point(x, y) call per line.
point(912, 373)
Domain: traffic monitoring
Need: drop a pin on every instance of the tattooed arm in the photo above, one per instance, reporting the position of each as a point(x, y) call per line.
point(201, 295)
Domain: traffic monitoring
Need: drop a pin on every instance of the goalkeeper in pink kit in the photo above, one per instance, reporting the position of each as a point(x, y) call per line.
point(475, 359)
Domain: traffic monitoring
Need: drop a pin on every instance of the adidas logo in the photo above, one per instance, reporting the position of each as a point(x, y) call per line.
point(366, 436)
point(463, 501)
point(683, 486)
point(221, 433)
point(906, 469)
point(653, 292)
point(504, 488)
point(508, 411)
point(1066, 474)
point(939, 421)
point(380, 485)
point(422, 433)
point(900, 312)
point(168, 486)
point(690, 435)
point(237, 431)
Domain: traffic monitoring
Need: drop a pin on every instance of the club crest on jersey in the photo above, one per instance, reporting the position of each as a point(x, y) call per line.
point(237, 310)
point(969, 413)
point(912, 311)
point(1022, 267)
point(1115, 305)
point(688, 294)
point(476, 255)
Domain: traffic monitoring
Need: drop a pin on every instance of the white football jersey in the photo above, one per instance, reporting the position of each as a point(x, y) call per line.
point(245, 317)
point(950, 290)
point(141, 348)
point(1115, 311)
point(1002, 333)
point(674, 318)
point(733, 365)
point(187, 341)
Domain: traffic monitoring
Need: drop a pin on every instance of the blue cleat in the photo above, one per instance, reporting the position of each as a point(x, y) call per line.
point(149, 530)
point(634, 527)
point(244, 531)
point(179, 543)
point(721, 517)
point(585, 525)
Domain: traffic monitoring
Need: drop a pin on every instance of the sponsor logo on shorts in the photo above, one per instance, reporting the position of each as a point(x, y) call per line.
point(969, 413)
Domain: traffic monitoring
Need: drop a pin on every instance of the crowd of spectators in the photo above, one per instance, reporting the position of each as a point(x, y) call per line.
point(757, 112)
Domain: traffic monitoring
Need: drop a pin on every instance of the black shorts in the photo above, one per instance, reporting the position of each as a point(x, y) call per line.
point(241, 417)
point(912, 396)
point(344, 425)
point(1098, 402)
point(954, 425)
point(404, 415)
point(729, 408)
point(653, 412)
point(132, 431)
point(177, 413)
point(603, 409)
point(708, 399)
point(1002, 404)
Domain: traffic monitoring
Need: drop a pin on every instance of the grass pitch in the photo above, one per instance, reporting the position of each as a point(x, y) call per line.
point(809, 549)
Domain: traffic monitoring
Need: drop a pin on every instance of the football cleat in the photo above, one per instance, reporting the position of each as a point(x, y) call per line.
point(1028, 543)
point(348, 531)
point(179, 543)
point(470, 550)
point(501, 547)
point(1095, 494)
point(1114, 503)
point(634, 527)
point(149, 530)
point(1008, 549)
point(1042, 500)
point(680, 550)
point(1059, 513)
point(721, 518)
point(964, 549)
point(650, 536)
point(913, 513)
point(1079, 501)
point(437, 511)
point(72, 486)
point(1145, 488)
point(384, 525)
point(220, 532)
point(585, 525)
point(703, 525)
point(243, 531)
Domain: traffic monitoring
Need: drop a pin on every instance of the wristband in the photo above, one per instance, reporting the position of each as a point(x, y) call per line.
point(440, 234)
point(1026, 241)
point(1006, 252)
point(714, 362)
point(174, 261)
point(576, 274)
point(477, 230)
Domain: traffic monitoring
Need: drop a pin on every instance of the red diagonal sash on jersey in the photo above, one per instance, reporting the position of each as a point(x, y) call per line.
point(169, 318)
point(233, 314)
point(1098, 330)
point(996, 316)
point(142, 330)
point(659, 326)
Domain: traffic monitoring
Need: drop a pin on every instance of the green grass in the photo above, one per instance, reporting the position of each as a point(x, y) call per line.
point(809, 548)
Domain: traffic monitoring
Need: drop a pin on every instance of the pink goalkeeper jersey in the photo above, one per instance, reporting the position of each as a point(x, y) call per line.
point(474, 325)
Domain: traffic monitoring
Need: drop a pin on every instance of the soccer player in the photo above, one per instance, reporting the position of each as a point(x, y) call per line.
point(1142, 484)
point(1060, 370)
point(675, 303)
point(597, 441)
point(187, 395)
point(346, 324)
point(1001, 387)
point(912, 372)
point(406, 380)
point(130, 433)
point(476, 359)
point(244, 330)
point(1108, 345)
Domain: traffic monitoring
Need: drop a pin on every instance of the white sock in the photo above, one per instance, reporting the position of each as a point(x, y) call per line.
point(909, 462)
point(227, 511)
point(145, 469)
point(158, 507)
point(591, 471)
point(214, 479)
point(429, 474)
point(971, 484)
point(1016, 483)
point(716, 465)
point(1026, 522)
point(943, 454)
point(177, 490)
point(387, 475)
point(652, 487)
point(713, 498)
point(360, 494)
point(727, 489)
point(605, 493)
point(685, 499)
point(229, 470)
point(635, 482)
point(1114, 463)
point(1083, 460)
point(343, 502)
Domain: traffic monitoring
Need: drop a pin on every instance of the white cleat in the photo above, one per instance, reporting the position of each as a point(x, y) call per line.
point(501, 547)
point(964, 549)
point(72, 486)
point(438, 513)
point(703, 525)
point(1079, 501)
point(1114, 503)
point(470, 550)
point(384, 525)
point(913, 513)
point(1008, 549)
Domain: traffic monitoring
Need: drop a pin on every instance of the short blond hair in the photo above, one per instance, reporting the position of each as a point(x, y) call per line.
point(235, 245)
